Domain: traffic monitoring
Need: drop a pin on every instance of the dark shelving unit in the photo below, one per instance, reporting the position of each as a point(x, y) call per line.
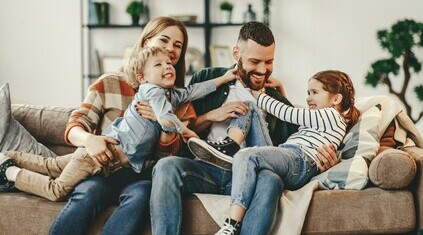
point(207, 25)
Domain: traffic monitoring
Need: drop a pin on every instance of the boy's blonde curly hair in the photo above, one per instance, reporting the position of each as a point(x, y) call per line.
point(135, 64)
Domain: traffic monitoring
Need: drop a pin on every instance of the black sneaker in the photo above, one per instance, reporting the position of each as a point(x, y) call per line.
point(5, 184)
point(219, 153)
point(230, 227)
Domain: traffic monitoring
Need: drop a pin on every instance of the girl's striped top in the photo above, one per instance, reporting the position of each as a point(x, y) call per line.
point(317, 127)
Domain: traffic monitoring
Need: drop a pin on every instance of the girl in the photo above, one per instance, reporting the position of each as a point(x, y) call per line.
point(331, 113)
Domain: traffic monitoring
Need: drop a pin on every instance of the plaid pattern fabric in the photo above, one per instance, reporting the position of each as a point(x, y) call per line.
point(106, 100)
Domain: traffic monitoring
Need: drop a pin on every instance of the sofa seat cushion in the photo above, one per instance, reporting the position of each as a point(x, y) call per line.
point(369, 211)
point(392, 169)
point(23, 213)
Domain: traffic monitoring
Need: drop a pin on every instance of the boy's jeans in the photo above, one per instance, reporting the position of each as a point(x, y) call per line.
point(287, 161)
point(254, 127)
point(54, 178)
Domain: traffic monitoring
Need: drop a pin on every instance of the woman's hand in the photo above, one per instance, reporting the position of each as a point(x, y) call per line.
point(97, 149)
point(272, 82)
point(145, 110)
point(327, 157)
point(229, 110)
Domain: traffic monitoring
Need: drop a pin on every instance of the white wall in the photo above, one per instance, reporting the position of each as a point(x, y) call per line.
point(41, 40)
point(41, 51)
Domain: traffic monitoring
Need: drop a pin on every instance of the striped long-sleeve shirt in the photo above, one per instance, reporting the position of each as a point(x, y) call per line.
point(317, 127)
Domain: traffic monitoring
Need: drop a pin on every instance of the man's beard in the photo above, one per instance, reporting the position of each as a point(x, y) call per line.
point(245, 76)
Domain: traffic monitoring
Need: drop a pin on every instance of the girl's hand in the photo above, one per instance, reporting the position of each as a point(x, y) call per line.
point(145, 110)
point(274, 83)
point(97, 148)
point(187, 133)
point(256, 93)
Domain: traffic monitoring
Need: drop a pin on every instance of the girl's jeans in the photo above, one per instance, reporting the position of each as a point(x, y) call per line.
point(254, 127)
point(287, 161)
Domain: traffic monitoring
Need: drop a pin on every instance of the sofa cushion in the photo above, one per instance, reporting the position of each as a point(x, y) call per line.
point(360, 143)
point(392, 169)
point(13, 136)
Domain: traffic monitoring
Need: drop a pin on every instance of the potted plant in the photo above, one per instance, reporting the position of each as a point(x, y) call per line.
point(226, 8)
point(135, 9)
point(402, 41)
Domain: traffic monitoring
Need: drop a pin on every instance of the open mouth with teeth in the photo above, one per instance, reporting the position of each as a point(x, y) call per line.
point(312, 106)
point(168, 76)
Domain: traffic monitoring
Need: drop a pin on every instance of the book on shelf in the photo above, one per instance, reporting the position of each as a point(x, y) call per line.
point(92, 13)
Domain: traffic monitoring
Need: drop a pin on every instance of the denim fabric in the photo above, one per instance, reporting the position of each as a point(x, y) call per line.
point(91, 197)
point(137, 136)
point(287, 161)
point(174, 177)
point(254, 127)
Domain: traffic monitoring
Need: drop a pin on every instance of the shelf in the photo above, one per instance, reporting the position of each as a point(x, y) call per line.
point(194, 25)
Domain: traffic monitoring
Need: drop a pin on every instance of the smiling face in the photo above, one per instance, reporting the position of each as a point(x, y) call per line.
point(254, 63)
point(158, 70)
point(171, 39)
point(319, 98)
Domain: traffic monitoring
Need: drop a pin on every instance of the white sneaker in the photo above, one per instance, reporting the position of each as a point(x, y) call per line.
point(230, 227)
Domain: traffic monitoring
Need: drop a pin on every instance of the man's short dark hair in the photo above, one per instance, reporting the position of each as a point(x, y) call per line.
point(258, 32)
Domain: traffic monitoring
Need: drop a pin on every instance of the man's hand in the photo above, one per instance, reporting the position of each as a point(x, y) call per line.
point(97, 149)
point(272, 82)
point(229, 110)
point(187, 133)
point(145, 110)
point(327, 157)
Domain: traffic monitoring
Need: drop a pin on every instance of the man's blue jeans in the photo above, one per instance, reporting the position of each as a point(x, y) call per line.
point(174, 177)
point(92, 197)
point(287, 161)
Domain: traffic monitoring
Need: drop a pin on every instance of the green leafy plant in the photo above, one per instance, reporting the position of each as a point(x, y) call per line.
point(135, 8)
point(399, 41)
point(266, 12)
point(226, 6)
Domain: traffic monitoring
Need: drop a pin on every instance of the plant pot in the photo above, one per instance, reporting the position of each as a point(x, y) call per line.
point(135, 20)
point(226, 17)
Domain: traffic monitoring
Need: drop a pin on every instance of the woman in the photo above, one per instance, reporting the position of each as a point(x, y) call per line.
point(106, 100)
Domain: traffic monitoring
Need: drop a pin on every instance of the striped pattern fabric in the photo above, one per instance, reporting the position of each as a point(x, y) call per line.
point(317, 127)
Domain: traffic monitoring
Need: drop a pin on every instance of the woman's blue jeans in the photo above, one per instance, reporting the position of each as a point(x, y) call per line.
point(287, 161)
point(93, 196)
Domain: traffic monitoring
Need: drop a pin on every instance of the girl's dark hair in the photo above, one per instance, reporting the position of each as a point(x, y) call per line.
point(337, 82)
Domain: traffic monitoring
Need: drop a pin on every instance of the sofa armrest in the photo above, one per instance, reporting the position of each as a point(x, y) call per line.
point(417, 185)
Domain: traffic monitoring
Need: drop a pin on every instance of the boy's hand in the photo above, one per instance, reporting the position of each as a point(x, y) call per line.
point(187, 133)
point(230, 75)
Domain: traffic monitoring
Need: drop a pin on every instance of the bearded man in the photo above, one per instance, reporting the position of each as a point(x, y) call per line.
point(174, 176)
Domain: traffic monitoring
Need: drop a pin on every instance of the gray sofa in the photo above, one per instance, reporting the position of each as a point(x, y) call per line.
point(374, 210)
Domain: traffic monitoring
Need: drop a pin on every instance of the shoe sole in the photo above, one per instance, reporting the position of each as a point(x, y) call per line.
point(205, 152)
